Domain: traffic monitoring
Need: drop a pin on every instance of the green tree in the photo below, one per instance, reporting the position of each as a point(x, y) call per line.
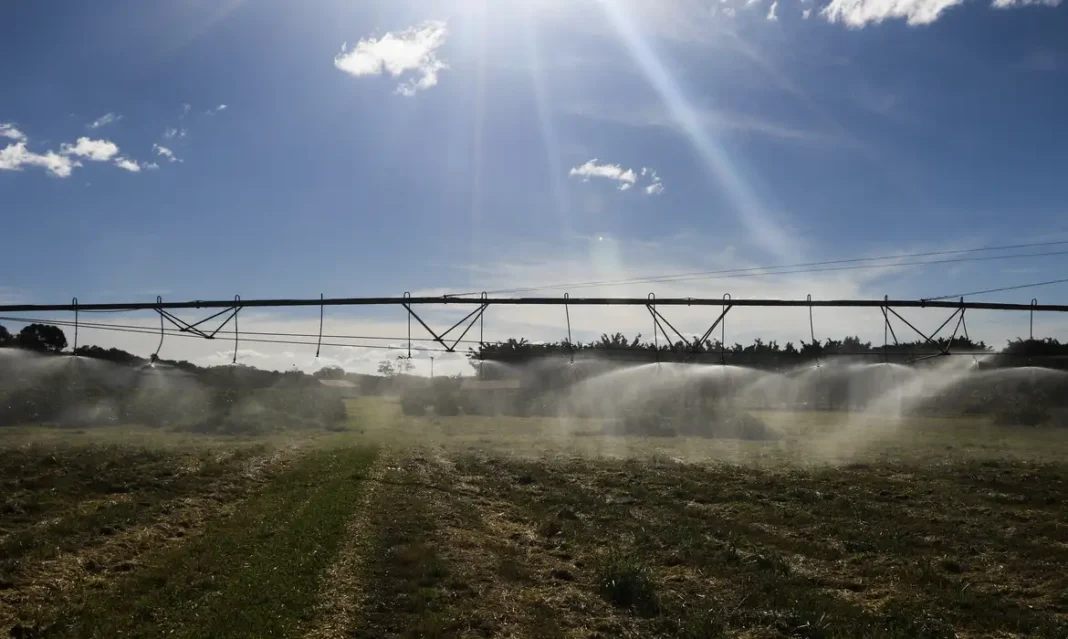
point(330, 372)
point(404, 366)
point(385, 368)
point(5, 336)
point(42, 337)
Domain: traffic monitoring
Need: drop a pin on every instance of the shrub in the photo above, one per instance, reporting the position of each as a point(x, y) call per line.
point(624, 582)
point(1022, 415)
point(445, 404)
point(413, 404)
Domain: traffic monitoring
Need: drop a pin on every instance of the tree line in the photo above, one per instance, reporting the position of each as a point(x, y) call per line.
point(763, 354)
point(155, 392)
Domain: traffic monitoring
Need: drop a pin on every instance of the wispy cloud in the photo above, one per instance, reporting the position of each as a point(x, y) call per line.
point(591, 169)
point(186, 107)
point(165, 152)
point(1008, 4)
point(860, 13)
point(772, 11)
point(128, 165)
point(625, 178)
point(657, 185)
point(8, 130)
point(104, 120)
point(94, 150)
point(655, 116)
point(174, 132)
point(217, 109)
point(413, 50)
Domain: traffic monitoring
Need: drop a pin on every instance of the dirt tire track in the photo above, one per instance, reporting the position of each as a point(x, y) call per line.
point(342, 593)
point(65, 580)
point(534, 588)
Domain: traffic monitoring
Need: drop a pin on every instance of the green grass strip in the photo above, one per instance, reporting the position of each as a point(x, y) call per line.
point(255, 574)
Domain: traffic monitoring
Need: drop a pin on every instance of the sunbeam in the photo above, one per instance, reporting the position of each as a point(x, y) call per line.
point(766, 232)
point(548, 133)
point(478, 131)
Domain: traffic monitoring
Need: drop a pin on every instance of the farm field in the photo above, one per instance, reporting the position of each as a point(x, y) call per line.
point(522, 527)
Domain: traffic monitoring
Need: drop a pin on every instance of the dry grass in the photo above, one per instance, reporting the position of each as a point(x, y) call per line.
point(484, 527)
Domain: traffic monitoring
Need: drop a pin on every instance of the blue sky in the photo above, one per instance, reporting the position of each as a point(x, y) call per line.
point(495, 157)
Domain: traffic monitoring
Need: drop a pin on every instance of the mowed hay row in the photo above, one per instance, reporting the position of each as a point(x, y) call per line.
point(253, 573)
point(78, 517)
point(455, 527)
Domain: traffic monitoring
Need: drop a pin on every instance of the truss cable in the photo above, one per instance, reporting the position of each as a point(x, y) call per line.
point(858, 263)
point(142, 330)
point(996, 290)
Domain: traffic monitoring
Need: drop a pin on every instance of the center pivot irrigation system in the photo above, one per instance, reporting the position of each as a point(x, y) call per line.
point(229, 309)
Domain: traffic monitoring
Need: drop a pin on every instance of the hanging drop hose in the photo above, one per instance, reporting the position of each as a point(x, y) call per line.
point(319, 344)
point(570, 345)
point(812, 327)
point(237, 331)
point(74, 303)
point(155, 356)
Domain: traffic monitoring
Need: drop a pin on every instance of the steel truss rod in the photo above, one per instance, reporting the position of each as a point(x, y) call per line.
point(185, 327)
point(527, 301)
point(473, 316)
point(661, 321)
point(929, 339)
point(699, 342)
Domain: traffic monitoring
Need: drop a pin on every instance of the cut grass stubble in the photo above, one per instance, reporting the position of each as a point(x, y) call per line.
point(253, 574)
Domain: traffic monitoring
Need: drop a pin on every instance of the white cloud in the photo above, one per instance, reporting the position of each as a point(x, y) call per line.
point(104, 120)
point(859, 13)
point(221, 107)
point(627, 178)
point(591, 169)
point(95, 150)
point(61, 164)
point(151, 166)
point(771, 11)
point(174, 133)
point(413, 50)
point(165, 152)
point(214, 110)
point(8, 130)
point(16, 156)
point(185, 109)
point(1008, 4)
point(128, 165)
point(805, 13)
